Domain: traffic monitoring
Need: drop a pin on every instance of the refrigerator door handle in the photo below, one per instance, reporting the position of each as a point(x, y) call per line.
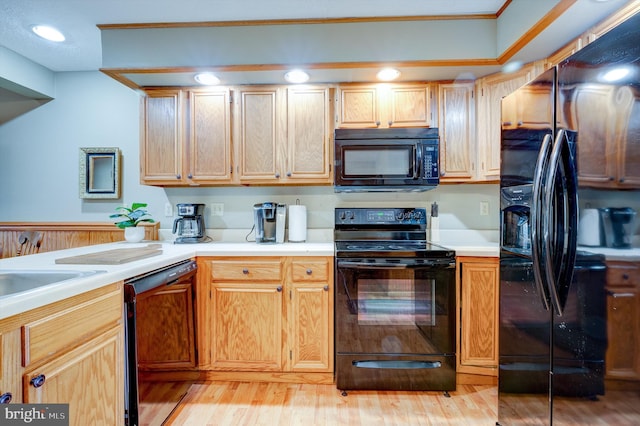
point(537, 210)
point(561, 162)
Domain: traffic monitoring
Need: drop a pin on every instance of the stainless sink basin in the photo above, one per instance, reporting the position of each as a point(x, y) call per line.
point(15, 281)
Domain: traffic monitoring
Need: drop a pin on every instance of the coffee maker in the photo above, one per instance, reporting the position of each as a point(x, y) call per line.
point(269, 221)
point(190, 225)
point(617, 226)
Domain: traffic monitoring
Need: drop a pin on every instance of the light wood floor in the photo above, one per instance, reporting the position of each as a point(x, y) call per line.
point(274, 404)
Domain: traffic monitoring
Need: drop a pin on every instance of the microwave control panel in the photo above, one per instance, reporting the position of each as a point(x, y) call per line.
point(430, 161)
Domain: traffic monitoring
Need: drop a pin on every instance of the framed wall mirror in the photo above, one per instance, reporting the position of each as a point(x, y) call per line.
point(100, 173)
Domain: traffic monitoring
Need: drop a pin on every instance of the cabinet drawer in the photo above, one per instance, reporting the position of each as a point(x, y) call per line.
point(622, 273)
point(246, 270)
point(56, 333)
point(310, 270)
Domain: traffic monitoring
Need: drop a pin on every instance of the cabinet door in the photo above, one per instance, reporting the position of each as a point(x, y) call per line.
point(209, 137)
point(358, 107)
point(311, 315)
point(491, 91)
point(409, 106)
point(457, 141)
point(309, 326)
point(10, 366)
point(89, 378)
point(627, 131)
point(479, 316)
point(308, 135)
point(161, 150)
point(623, 329)
point(259, 133)
point(165, 322)
point(596, 150)
point(247, 327)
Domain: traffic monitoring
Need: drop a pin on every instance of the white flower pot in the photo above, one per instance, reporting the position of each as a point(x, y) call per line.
point(134, 234)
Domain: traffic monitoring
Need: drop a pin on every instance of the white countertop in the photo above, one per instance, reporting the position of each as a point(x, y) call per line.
point(16, 303)
point(465, 244)
point(625, 255)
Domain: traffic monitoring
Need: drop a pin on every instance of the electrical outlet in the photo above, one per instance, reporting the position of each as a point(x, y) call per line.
point(168, 210)
point(217, 209)
point(484, 208)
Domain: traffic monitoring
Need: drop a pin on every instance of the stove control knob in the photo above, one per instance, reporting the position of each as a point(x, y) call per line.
point(342, 215)
point(352, 215)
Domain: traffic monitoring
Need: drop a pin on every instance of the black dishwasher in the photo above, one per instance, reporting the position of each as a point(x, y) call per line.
point(152, 301)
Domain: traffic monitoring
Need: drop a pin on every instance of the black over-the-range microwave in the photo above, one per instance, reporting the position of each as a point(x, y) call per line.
point(385, 160)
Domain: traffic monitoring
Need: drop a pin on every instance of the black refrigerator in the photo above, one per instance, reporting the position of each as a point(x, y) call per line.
point(562, 134)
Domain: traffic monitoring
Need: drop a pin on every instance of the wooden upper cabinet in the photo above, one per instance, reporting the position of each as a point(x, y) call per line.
point(260, 128)
point(358, 107)
point(209, 148)
point(284, 135)
point(490, 91)
point(457, 132)
point(384, 106)
point(186, 137)
point(308, 134)
point(608, 122)
point(161, 144)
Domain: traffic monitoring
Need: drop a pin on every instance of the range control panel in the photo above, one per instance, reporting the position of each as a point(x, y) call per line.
point(380, 216)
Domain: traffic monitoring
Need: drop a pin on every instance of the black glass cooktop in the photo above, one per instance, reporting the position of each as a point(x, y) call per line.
point(391, 249)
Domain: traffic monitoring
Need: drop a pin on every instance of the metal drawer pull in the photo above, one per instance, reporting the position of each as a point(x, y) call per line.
point(38, 381)
point(279, 289)
point(309, 272)
point(410, 365)
point(325, 288)
point(6, 398)
point(245, 271)
point(616, 295)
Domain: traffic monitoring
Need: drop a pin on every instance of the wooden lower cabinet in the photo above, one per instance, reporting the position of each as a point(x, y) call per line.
point(81, 379)
point(247, 326)
point(478, 286)
point(166, 318)
point(267, 314)
point(310, 316)
point(622, 360)
point(59, 354)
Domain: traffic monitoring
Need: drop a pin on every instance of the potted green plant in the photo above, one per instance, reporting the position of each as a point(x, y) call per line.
point(128, 219)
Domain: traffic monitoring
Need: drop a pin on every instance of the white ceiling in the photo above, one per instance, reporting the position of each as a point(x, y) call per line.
point(82, 51)
point(78, 19)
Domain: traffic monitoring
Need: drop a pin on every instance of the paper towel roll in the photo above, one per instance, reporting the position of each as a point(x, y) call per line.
point(589, 228)
point(297, 224)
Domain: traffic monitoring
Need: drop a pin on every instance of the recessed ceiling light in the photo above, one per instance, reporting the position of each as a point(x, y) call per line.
point(296, 76)
point(615, 74)
point(513, 66)
point(48, 33)
point(388, 74)
point(207, 79)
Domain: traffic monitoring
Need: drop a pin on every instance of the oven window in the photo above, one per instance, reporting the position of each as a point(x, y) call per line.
point(378, 162)
point(395, 301)
point(394, 309)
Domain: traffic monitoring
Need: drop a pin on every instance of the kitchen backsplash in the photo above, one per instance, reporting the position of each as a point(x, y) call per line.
point(459, 205)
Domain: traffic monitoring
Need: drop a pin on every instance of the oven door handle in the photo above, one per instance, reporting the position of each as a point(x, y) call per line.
point(410, 264)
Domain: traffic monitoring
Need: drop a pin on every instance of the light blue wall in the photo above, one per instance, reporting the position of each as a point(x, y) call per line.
point(39, 154)
point(24, 73)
